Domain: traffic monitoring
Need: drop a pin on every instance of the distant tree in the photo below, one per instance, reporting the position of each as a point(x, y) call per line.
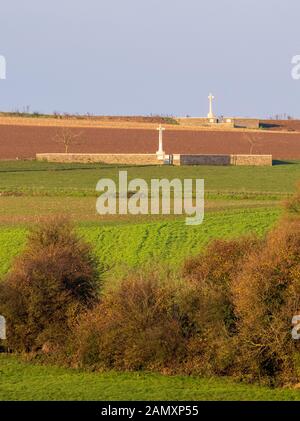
point(250, 140)
point(68, 138)
point(254, 140)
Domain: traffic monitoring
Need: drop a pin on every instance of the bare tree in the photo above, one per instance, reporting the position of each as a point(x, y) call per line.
point(250, 140)
point(67, 137)
point(255, 140)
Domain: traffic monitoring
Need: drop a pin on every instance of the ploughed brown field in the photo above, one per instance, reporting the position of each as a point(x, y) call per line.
point(24, 141)
point(282, 125)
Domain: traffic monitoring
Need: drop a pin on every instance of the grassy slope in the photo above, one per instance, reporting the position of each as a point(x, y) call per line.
point(146, 239)
point(28, 209)
point(168, 242)
point(78, 179)
point(23, 381)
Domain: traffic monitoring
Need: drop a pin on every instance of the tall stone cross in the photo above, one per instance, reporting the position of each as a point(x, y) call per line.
point(160, 153)
point(210, 114)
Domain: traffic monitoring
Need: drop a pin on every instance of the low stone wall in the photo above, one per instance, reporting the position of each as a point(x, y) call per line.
point(260, 160)
point(151, 159)
point(201, 159)
point(246, 123)
point(257, 160)
point(196, 121)
point(226, 122)
point(130, 159)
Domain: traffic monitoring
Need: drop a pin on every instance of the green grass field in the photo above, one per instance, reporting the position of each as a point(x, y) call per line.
point(127, 246)
point(24, 381)
point(239, 201)
point(42, 178)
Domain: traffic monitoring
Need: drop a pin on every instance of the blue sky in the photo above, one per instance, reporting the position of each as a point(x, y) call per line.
point(150, 56)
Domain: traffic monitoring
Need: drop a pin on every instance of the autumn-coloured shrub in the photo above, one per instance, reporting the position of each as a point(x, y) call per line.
point(212, 272)
point(134, 327)
point(208, 304)
point(50, 283)
point(266, 295)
